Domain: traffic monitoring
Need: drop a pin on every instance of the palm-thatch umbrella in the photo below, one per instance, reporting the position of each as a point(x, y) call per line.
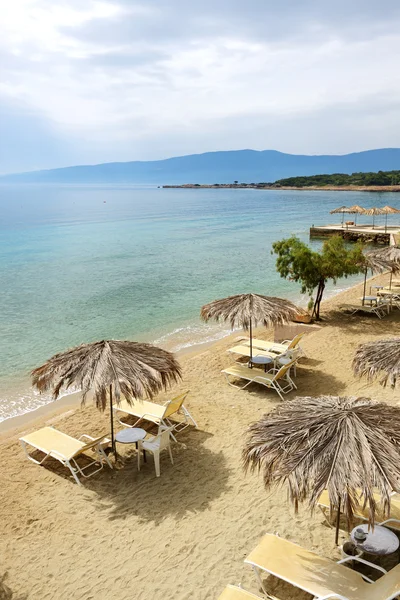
point(250, 310)
point(356, 210)
point(349, 446)
point(132, 369)
point(389, 210)
point(341, 209)
point(379, 358)
point(390, 254)
point(377, 262)
point(372, 212)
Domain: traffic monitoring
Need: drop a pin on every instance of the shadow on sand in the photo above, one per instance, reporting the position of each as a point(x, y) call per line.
point(197, 477)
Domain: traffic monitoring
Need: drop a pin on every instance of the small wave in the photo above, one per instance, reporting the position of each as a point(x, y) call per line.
point(192, 335)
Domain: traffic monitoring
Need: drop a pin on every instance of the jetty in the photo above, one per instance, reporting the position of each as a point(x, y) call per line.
point(367, 233)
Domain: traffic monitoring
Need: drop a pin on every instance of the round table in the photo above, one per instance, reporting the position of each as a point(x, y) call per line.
point(261, 360)
point(370, 299)
point(131, 435)
point(381, 541)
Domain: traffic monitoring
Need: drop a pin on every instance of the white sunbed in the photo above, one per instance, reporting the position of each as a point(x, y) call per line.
point(66, 450)
point(380, 310)
point(320, 576)
point(276, 379)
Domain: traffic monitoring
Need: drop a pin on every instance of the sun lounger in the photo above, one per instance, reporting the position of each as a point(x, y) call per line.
point(277, 347)
point(66, 449)
point(157, 413)
point(380, 310)
point(275, 379)
point(318, 575)
point(362, 513)
point(231, 592)
point(244, 350)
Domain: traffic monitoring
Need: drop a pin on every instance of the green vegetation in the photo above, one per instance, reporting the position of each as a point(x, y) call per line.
point(342, 179)
point(297, 262)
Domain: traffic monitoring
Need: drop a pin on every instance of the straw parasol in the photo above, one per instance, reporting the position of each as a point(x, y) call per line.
point(390, 254)
point(372, 212)
point(357, 210)
point(389, 210)
point(380, 357)
point(349, 446)
point(108, 368)
point(341, 209)
point(250, 310)
point(377, 263)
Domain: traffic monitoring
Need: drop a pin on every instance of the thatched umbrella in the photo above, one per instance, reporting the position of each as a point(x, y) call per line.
point(379, 358)
point(129, 368)
point(389, 210)
point(372, 212)
point(391, 255)
point(356, 210)
point(376, 262)
point(250, 310)
point(349, 446)
point(341, 209)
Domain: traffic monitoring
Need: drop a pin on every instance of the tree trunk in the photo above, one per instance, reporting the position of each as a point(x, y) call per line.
point(317, 304)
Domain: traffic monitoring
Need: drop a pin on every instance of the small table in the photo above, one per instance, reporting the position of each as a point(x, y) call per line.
point(376, 287)
point(381, 541)
point(131, 435)
point(370, 299)
point(261, 360)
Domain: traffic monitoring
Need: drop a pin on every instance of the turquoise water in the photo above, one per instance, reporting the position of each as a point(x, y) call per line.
point(84, 263)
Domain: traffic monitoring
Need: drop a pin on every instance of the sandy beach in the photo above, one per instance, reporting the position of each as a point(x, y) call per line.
point(129, 536)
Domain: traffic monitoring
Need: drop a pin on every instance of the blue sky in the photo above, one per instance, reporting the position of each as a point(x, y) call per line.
point(98, 81)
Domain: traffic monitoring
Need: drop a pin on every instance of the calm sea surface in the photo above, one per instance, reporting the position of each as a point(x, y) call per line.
point(83, 263)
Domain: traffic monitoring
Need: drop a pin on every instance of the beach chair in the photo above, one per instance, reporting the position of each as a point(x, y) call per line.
point(231, 592)
point(318, 575)
point(67, 450)
point(157, 413)
point(380, 310)
point(244, 350)
point(393, 522)
point(275, 379)
point(155, 445)
point(276, 347)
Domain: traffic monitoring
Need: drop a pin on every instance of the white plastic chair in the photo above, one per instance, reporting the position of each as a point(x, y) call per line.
point(155, 445)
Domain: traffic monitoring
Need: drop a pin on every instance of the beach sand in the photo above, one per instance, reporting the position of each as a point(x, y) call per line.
point(126, 535)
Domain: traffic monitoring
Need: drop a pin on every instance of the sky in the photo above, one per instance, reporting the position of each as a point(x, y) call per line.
point(118, 80)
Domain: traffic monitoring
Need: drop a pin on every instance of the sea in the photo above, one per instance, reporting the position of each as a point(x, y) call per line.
point(83, 263)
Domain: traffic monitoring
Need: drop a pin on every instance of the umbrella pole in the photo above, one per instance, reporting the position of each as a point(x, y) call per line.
point(251, 341)
point(390, 282)
point(337, 524)
point(365, 285)
point(386, 223)
point(112, 424)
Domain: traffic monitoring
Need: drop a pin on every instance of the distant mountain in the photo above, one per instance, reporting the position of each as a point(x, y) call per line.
point(217, 167)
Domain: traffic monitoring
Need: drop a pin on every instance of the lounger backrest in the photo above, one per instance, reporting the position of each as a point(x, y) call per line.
point(283, 370)
point(90, 444)
point(295, 341)
point(388, 586)
point(174, 405)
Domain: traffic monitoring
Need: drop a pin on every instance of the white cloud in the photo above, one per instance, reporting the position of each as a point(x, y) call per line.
point(113, 77)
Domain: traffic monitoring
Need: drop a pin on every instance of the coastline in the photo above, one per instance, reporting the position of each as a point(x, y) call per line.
point(71, 401)
point(311, 188)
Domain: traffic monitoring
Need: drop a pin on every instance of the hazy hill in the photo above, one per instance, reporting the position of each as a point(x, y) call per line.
point(217, 167)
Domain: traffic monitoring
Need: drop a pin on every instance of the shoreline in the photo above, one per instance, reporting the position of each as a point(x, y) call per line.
point(310, 188)
point(56, 409)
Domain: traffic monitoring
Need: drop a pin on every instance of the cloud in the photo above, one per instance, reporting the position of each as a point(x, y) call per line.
point(129, 80)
